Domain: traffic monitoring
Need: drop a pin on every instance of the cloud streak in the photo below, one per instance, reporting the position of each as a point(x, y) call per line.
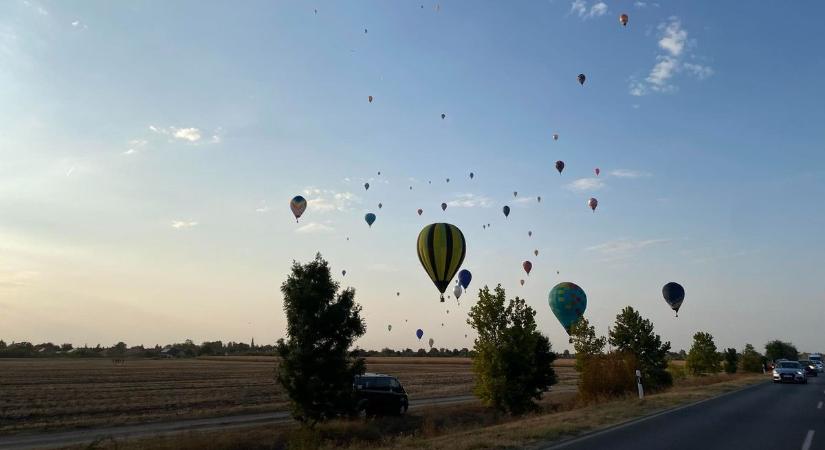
point(675, 46)
point(585, 185)
point(327, 200)
point(579, 8)
point(627, 173)
point(470, 201)
point(183, 224)
point(314, 228)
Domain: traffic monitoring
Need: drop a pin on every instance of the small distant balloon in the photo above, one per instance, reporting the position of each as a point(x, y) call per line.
point(536, 252)
point(581, 78)
point(464, 278)
point(365, 31)
point(443, 116)
point(367, 186)
point(597, 170)
point(471, 175)
point(398, 294)
point(530, 234)
point(369, 98)
point(420, 211)
point(457, 292)
point(623, 19)
point(593, 203)
point(380, 206)
point(555, 136)
point(515, 193)
point(343, 273)
point(528, 266)
point(522, 282)
point(419, 333)
point(560, 166)
point(539, 198)
point(443, 206)
point(379, 173)
point(370, 219)
point(431, 342)
point(389, 327)
point(298, 205)
point(448, 180)
point(506, 211)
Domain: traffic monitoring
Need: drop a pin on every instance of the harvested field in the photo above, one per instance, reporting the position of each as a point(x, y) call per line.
point(50, 394)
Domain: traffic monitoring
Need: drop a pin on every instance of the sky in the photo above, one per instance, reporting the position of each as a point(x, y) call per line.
point(149, 150)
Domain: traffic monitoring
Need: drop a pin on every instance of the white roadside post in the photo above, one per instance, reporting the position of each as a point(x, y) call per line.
point(639, 384)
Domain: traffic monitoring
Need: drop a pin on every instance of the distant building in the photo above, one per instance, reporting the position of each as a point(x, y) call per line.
point(170, 352)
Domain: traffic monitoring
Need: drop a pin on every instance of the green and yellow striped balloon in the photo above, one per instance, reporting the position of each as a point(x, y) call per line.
point(441, 250)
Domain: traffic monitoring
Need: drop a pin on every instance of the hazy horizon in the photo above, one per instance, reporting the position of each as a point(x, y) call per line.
point(149, 150)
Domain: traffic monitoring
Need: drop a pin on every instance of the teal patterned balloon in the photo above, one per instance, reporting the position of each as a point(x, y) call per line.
point(568, 302)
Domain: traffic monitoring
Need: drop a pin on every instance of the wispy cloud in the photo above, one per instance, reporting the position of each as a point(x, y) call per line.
point(624, 248)
point(327, 200)
point(470, 201)
point(79, 25)
point(674, 42)
point(626, 173)
point(183, 224)
point(579, 8)
point(192, 135)
point(586, 185)
point(135, 145)
point(313, 228)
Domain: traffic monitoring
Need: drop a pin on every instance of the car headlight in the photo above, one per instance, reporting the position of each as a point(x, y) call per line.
point(775, 373)
point(799, 372)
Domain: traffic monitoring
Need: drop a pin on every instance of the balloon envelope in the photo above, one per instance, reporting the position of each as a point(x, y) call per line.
point(366, 186)
point(674, 295)
point(522, 282)
point(456, 292)
point(464, 278)
point(623, 19)
point(597, 170)
point(506, 210)
point(555, 136)
point(528, 266)
point(298, 205)
point(441, 250)
point(420, 211)
point(370, 98)
point(419, 333)
point(370, 218)
point(568, 302)
point(559, 166)
point(443, 206)
point(443, 116)
point(581, 78)
point(592, 203)
point(389, 327)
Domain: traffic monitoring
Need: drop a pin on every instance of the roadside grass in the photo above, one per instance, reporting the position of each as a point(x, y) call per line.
point(457, 427)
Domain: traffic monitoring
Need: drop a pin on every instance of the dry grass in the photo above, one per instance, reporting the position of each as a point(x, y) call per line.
point(461, 427)
point(51, 394)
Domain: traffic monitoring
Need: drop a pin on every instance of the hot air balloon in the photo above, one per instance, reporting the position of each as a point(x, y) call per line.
point(420, 211)
point(456, 292)
point(441, 250)
point(559, 166)
point(515, 193)
point(539, 198)
point(555, 136)
point(593, 203)
point(431, 342)
point(471, 175)
point(484, 227)
point(298, 205)
point(343, 273)
point(536, 252)
point(443, 206)
point(443, 116)
point(464, 278)
point(623, 19)
point(369, 98)
point(419, 333)
point(581, 78)
point(389, 327)
point(365, 31)
point(370, 218)
point(410, 187)
point(568, 302)
point(379, 173)
point(506, 211)
point(398, 294)
point(448, 180)
point(674, 295)
point(528, 266)
point(380, 206)
point(367, 186)
point(597, 170)
point(530, 234)
point(521, 281)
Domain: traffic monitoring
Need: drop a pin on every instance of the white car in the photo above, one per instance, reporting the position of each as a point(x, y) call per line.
point(789, 371)
point(819, 366)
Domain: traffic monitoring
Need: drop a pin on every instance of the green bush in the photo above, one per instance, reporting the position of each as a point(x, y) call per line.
point(731, 360)
point(702, 357)
point(677, 372)
point(751, 360)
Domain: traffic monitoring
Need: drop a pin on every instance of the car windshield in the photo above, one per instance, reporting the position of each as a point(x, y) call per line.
point(789, 365)
point(805, 363)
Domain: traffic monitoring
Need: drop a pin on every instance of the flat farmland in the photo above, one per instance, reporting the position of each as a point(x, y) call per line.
point(52, 394)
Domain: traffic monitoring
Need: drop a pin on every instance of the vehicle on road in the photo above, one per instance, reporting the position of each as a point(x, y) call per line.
point(789, 372)
point(816, 358)
point(380, 394)
point(809, 367)
point(819, 366)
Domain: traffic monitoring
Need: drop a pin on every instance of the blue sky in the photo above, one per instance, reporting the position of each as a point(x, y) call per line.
point(148, 151)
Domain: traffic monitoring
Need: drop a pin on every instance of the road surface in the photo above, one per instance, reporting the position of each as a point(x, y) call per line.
point(75, 437)
point(764, 416)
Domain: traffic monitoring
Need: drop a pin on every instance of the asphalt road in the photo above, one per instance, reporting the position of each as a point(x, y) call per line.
point(764, 416)
point(75, 437)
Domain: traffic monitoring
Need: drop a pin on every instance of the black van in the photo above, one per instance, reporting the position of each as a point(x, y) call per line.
point(379, 394)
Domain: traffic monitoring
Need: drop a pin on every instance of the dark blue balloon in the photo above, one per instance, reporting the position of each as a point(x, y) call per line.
point(370, 218)
point(506, 210)
point(419, 333)
point(464, 278)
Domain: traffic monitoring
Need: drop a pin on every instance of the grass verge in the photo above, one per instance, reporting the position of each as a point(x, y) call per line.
point(461, 427)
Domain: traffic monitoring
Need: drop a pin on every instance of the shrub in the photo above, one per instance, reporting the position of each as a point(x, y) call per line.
point(585, 342)
point(702, 357)
point(634, 334)
point(731, 360)
point(610, 375)
point(777, 349)
point(751, 360)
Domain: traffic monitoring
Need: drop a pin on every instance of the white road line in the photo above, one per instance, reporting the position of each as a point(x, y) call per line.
point(808, 439)
point(819, 406)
